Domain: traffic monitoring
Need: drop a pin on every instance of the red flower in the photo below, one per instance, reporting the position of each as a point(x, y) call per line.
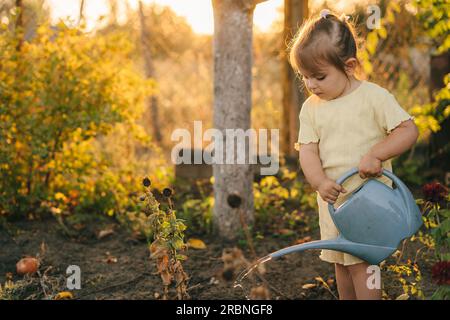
point(434, 192)
point(441, 272)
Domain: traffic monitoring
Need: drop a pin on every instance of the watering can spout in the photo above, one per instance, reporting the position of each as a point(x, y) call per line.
point(371, 253)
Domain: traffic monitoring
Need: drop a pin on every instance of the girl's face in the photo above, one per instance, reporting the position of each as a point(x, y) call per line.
point(328, 82)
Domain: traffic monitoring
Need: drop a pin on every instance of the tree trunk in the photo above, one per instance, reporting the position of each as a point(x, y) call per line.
point(19, 24)
point(113, 6)
point(81, 15)
point(295, 12)
point(233, 21)
point(149, 73)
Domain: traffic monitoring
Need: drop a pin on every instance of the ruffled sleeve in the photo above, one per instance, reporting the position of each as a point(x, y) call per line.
point(389, 114)
point(307, 132)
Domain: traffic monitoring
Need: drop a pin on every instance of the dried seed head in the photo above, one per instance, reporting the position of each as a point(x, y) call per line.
point(146, 182)
point(167, 192)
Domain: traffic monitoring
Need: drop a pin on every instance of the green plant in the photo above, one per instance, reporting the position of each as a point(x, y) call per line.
point(409, 170)
point(376, 35)
point(166, 241)
point(409, 276)
point(430, 116)
point(437, 222)
point(433, 16)
point(197, 211)
point(280, 202)
point(269, 200)
point(441, 274)
point(60, 92)
point(436, 218)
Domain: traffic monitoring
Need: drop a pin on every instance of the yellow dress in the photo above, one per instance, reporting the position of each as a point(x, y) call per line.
point(345, 129)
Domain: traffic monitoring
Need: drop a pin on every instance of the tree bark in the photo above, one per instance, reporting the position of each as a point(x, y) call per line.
point(81, 15)
point(113, 6)
point(152, 101)
point(233, 22)
point(295, 12)
point(19, 24)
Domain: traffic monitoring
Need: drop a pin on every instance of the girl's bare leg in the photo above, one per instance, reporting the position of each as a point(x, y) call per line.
point(359, 275)
point(344, 283)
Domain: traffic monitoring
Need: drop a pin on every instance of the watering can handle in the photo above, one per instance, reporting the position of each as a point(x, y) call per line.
point(384, 172)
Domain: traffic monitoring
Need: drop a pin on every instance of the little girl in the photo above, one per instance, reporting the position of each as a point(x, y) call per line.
point(345, 123)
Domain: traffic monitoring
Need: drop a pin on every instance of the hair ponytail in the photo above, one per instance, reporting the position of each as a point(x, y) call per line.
point(326, 38)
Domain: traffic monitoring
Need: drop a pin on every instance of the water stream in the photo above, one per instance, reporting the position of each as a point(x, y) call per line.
point(244, 274)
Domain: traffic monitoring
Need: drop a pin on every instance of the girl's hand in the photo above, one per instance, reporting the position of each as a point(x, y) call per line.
point(329, 190)
point(370, 166)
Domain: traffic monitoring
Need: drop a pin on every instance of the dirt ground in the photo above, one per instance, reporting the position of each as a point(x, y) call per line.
point(117, 266)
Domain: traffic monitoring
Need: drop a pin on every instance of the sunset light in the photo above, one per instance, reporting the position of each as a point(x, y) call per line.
point(198, 13)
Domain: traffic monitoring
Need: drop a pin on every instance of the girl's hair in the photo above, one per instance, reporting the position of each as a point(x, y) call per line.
point(328, 39)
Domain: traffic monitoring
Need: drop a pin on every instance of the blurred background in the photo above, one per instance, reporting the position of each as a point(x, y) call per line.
point(130, 72)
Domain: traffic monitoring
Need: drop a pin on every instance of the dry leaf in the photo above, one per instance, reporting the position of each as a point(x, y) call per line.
point(213, 280)
point(79, 226)
point(233, 262)
point(64, 295)
point(156, 250)
point(110, 259)
point(105, 233)
point(154, 247)
point(260, 293)
point(285, 232)
point(403, 296)
point(166, 278)
point(163, 263)
point(261, 268)
point(196, 243)
point(303, 240)
point(320, 279)
point(43, 249)
point(308, 286)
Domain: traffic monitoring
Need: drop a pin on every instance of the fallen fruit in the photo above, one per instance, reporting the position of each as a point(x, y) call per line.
point(27, 266)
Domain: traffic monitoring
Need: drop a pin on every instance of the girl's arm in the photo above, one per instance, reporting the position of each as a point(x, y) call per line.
point(401, 139)
point(311, 164)
point(398, 141)
point(312, 168)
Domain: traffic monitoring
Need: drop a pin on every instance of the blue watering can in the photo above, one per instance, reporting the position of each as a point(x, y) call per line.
point(371, 223)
